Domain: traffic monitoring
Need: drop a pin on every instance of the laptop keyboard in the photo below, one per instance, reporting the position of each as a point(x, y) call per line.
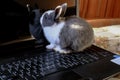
point(48, 62)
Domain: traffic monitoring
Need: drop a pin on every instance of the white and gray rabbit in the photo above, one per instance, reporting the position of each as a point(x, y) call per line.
point(66, 34)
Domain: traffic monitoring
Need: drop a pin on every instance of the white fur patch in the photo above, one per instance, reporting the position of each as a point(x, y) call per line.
point(52, 32)
point(76, 26)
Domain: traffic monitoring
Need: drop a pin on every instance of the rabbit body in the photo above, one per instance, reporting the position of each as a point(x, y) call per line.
point(76, 34)
point(66, 34)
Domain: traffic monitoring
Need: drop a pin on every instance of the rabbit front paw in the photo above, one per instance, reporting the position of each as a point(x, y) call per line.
point(50, 46)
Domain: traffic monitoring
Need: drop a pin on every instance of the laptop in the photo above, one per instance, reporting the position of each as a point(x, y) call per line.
point(22, 57)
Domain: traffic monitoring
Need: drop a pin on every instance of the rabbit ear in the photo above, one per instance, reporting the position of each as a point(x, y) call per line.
point(60, 10)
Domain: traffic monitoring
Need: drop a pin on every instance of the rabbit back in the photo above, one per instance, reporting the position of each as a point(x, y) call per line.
point(76, 34)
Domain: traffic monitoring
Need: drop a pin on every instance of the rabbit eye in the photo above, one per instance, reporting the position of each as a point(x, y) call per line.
point(46, 16)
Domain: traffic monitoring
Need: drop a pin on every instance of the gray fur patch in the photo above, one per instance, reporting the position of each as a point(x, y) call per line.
point(48, 19)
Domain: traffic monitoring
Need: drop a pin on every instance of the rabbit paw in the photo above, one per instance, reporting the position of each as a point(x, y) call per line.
point(64, 51)
point(50, 46)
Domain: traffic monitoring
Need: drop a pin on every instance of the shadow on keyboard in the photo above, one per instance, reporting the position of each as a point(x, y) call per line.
point(45, 63)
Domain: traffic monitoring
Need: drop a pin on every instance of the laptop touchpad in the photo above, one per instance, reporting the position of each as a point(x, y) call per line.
point(64, 75)
point(98, 70)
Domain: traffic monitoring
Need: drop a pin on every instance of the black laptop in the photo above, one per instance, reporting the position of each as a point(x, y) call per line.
point(22, 57)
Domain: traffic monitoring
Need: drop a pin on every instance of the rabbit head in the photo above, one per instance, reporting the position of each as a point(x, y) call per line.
point(49, 17)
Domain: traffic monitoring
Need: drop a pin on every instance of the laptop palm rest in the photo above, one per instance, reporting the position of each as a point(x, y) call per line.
point(98, 70)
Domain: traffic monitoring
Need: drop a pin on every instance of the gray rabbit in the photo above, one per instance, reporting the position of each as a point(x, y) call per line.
point(66, 34)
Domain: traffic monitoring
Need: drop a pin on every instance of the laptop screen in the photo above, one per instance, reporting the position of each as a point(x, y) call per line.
point(15, 20)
